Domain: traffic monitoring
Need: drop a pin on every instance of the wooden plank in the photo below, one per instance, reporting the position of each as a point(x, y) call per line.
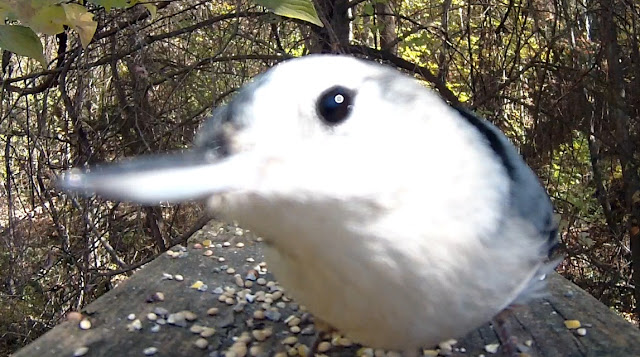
point(111, 332)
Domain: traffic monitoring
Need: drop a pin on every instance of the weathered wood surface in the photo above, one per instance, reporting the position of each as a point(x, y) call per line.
point(541, 323)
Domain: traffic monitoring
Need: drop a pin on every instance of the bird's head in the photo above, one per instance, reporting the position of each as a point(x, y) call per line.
point(324, 127)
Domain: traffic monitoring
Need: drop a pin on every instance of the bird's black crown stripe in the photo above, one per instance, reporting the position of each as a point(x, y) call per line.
point(492, 137)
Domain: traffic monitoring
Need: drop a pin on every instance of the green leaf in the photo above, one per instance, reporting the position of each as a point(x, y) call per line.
point(108, 4)
point(368, 9)
point(22, 41)
point(152, 10)
point(296, 9)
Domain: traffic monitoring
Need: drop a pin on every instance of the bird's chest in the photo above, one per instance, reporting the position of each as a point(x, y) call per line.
point(377, 277)
point(340, 274)
point(348, 288)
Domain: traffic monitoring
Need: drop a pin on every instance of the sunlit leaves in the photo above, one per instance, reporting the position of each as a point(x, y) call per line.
point(82, 21)
point(22, 41)
point(296, 9)
point(570, 181)
point(110, 4)
point(48, 20)
point(46, 17)
point(49, 17)
point(121, 4)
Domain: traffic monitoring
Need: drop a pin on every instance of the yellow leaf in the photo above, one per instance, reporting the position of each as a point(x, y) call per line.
point(81, 20)
point(48, 20)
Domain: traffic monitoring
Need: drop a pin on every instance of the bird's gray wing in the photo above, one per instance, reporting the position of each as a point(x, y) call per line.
point(528, 199)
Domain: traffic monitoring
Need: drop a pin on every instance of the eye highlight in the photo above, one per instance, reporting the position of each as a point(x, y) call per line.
point(334, 105)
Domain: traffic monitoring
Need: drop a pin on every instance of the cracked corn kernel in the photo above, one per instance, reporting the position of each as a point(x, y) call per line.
point(197, 285)
point(572, 324)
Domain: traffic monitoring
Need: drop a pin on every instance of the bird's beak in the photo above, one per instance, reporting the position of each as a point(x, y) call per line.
point(213, 166)
point(149, 180)
point(206, 170)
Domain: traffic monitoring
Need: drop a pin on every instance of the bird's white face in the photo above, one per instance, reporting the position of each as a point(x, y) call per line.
point(282, 122)
point(292, 146)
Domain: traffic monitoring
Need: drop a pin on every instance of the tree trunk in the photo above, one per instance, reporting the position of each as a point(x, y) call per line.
point(619, 115)
point(387, 25)
point(334, 36)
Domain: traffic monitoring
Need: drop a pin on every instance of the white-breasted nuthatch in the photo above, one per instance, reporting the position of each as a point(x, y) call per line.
point(394, 217)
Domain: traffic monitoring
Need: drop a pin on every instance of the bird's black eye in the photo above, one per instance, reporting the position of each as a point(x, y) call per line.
point(334, 105)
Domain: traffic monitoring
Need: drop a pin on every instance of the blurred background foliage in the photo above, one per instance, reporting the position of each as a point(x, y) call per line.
point(561, 78)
